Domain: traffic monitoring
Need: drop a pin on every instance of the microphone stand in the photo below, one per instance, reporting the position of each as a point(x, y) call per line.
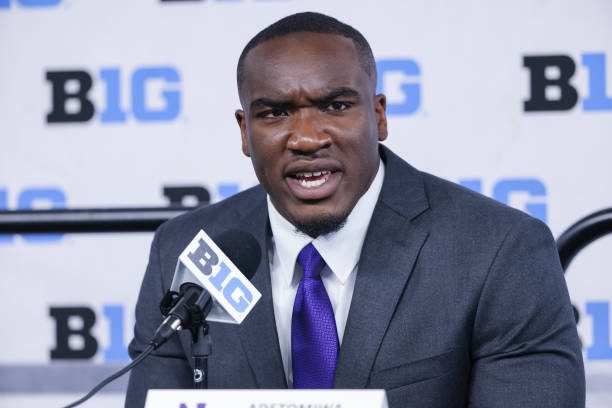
point(201, 349)
point(194, 319)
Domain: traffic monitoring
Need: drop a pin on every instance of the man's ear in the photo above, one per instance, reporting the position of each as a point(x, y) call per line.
point(241, 119)
point(380, 110)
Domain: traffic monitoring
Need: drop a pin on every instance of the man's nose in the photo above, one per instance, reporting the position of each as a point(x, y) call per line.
point(307, 134)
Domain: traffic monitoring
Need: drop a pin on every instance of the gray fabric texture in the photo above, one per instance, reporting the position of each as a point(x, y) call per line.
point(459, 301)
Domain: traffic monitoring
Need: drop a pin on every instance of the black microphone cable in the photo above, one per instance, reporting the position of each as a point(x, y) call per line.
point(113, 377)
point(179, 316)
point(188, 311)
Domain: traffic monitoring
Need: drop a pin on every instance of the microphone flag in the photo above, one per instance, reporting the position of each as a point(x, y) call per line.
point(202, 262)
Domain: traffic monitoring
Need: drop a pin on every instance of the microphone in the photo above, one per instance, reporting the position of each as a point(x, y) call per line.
point(193, 303)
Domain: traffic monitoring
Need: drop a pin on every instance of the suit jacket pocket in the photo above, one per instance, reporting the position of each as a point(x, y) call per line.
point(416, 371)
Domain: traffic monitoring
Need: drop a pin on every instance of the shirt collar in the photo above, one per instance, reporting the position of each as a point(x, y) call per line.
point(340, 249)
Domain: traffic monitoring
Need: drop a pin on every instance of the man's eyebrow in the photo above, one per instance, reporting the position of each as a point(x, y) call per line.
point(337, 93)
point(285, 104)
point(271, 103)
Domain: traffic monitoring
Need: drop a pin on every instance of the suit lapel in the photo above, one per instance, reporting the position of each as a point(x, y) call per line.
point(390, 251)
point(258, 331)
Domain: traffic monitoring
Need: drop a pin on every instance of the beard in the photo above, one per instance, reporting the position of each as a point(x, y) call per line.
point(321, 226)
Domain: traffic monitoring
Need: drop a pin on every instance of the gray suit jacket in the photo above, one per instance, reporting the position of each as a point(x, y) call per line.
point(459, 301)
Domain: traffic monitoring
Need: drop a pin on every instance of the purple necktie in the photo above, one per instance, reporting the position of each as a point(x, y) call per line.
point(314, 338)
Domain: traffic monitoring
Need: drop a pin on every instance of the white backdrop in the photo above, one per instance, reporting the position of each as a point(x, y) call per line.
point(163, 95)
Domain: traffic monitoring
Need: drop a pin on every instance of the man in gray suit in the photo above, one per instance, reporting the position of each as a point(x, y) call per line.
point(374, 274)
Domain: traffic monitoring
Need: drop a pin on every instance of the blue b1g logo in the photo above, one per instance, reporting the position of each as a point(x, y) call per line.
point(231, 288)
point(30, 3)
point(398, 79)
point(601, 346)
point(551, 87)
point(77, 323)
point(526, 194)
point(70, 101)
point(32, 199)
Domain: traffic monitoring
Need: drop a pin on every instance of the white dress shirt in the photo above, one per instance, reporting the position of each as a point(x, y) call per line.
point(340, 250)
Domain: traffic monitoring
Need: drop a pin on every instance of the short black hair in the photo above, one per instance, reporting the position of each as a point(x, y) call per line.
point(310, 22)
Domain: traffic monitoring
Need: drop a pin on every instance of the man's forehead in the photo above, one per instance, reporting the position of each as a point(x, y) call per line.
point(303, 60)
point(301, 40)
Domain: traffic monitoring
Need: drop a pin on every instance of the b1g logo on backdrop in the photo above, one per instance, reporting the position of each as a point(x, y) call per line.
point(551, 87)
point(74, 338)
point(190, 195)
point(601, 346)
point(30, 3)
point(71, 100)
point(398, 79)
point(32, 198)
point(526, 194)
point(217, 1)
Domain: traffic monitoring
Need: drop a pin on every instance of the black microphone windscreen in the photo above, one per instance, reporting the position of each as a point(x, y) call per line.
point(242, 248)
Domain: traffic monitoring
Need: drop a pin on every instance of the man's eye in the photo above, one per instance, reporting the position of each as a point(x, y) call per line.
point(337, 106)
point(272, 113)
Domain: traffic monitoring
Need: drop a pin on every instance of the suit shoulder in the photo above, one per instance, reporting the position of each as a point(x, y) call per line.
point(450, 201)
point(210, 217)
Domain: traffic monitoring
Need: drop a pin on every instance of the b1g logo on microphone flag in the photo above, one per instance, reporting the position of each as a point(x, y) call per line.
point(203, 263)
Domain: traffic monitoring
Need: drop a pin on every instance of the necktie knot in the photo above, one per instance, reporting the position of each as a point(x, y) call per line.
point(311, 261)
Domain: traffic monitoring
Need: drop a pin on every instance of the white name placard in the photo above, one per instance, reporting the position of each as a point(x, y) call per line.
point(266, 399)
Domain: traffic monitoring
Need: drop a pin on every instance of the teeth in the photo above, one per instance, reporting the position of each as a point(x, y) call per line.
point(303, 178)
point(308, 174)
point(311, 184)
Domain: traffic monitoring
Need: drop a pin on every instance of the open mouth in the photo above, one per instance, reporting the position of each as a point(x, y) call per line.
point(312, 179)
point(314, 185)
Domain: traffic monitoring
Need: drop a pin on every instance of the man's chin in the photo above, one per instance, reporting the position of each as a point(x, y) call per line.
point(320, 226)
